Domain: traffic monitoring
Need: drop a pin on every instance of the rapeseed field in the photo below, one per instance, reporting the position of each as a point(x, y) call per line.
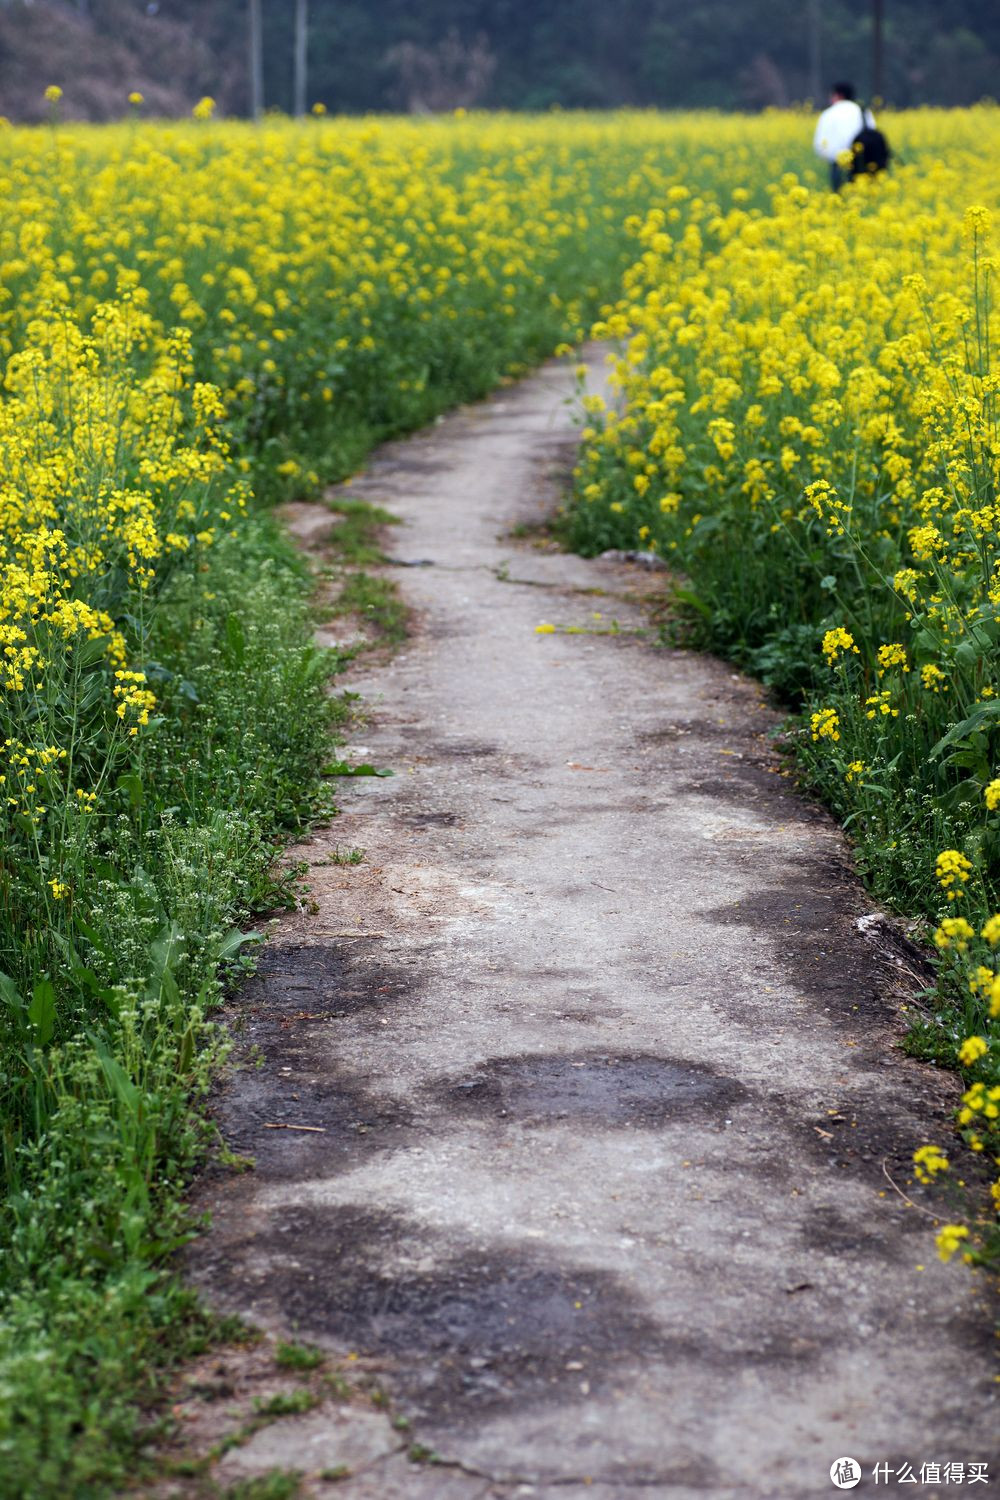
point(199, 318)
point(195, 319)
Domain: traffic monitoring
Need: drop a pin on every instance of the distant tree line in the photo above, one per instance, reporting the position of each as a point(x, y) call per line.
point(425, 55)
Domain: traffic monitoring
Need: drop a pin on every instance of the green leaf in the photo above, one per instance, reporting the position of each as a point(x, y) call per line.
point(42, 1011)
point(11, 995)
point(91, 934)
point(167, 987)
point(236, 637)
point(983, 714)
point(234, 941)
point(120, 1085)
point(88, 653)
point(164, 951)
point(969, 790)
point(86, 979)
point(341, 768)
point(186, 1053)
point(132, 784)
point(688, 597)
point(967, 654)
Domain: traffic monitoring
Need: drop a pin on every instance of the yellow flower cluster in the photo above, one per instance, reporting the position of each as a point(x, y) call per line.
point(825, 725)
point(345, 263)
point(950, 1238)
point(892, 656)
point(980, 1103)
point(928, 1162)
point(954, 932)
point(111, 482)
point(826, 361)
point(972, 1049)
point(133, 698)
point(837, 641)
point(952, 869)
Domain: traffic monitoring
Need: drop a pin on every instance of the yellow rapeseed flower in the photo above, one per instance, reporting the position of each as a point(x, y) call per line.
point(972, 1049)
point(949, 1238)
point(953, 870)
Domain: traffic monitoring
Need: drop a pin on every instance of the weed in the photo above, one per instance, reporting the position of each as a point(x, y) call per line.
point(279, 888)
point(355, 539)
point(376, 601)
point(340, 1387)
point(290, 1403)
point(341, 856)
point(279, 1484)
point(298, 1356)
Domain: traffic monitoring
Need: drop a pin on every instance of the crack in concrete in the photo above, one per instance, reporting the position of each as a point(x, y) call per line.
point(537, 1480)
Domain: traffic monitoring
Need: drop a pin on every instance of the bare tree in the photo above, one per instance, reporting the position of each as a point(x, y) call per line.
point(301, 55)
point(815, 51)
point(256, 58)
point(763, 84)
point(450, 74)
point(878, 80)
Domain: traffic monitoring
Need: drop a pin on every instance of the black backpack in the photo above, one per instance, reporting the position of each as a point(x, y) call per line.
point(870, 150)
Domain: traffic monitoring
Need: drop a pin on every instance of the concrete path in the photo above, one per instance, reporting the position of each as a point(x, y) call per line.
point(604, 1087)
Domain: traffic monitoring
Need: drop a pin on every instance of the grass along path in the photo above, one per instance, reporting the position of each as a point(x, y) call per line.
point(589, 1087)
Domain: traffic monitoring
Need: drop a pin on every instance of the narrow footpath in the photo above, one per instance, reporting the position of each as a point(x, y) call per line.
point(594, 1129)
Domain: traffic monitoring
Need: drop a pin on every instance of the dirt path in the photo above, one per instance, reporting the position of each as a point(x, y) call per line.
point(603, 1080)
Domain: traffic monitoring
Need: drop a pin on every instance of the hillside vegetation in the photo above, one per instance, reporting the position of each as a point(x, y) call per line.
point(376, 55)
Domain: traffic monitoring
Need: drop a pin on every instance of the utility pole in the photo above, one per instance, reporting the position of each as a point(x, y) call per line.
point(878, 79)
point(301, 51)
point(815, 52)
point(256, 59)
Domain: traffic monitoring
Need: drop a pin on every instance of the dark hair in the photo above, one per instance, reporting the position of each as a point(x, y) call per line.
point(845, 90)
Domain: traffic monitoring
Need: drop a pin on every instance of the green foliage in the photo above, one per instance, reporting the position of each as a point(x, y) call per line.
point(356, 539)
point(101, 1061)
point(290, 1403)
point(279, 1484)
point(375, 601)
point(346, 856)
point(298, 1356)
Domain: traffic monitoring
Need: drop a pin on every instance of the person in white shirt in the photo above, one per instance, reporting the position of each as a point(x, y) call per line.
point(837, 127)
